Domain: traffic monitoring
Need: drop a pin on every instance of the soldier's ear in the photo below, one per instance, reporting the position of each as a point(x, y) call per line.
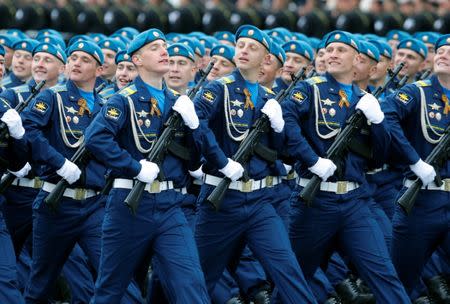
point(98, 71)
point(136, 59)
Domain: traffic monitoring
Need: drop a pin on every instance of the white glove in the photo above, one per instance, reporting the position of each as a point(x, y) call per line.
point(22, 172)
point(197, 174)
point(149, 171)
point(69, 171)
point(370, 106)
point(185, 107)
point(273, 110)
point(233, 170)
point(424, 171)
point(287, 167)
point(12, 119)
point(324, 168)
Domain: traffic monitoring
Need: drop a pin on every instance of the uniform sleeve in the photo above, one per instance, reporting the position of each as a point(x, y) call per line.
point(207, 104)
point(101, 134)
point(397, 108)
point(35, 121)
point(295, 108)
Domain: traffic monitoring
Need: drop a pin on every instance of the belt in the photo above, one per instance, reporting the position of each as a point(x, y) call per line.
point(35, 183)
point(181, 190)
point(374, 171)
point(78, 194)
point(198, 182)
point(248, 186)
point(290, 176)
point(155, 187)
point(339, 187)
point(444, 187)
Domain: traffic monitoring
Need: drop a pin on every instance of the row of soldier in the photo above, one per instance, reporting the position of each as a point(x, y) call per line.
point(350, 244)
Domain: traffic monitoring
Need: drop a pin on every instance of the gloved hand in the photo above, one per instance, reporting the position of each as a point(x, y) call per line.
point(22, 172)
point(185, 107)
point(287, 167)
point(324, 168)
point(424, 171)
point(149, 171)
point(273, 110)
point(233, 170)
point(69, 171)
point(197, 174)
point(370, 106)
point(12, 119)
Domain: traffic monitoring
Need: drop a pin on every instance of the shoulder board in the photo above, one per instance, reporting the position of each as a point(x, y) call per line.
point(174, 92)
point(128, 90)
point(423, 83)
point(226, 79)
point(59, 88)
point(21, 89)
point(106, 93)
point(6, 81)
point(316, 80)
point(268, 90)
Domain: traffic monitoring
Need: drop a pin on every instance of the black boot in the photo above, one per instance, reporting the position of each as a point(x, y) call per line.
point(438, 289)
point(262, 297)
point(424, 300)
point(334, 299)
point(235, 300)
point(350, 294)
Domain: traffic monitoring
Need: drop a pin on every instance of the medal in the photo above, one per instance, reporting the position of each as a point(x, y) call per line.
point(76, 120)
point(438, 116)
point(431, 114)
point(332, 112)
point(140, 122)
point(324, 111)
point(233, 112)
point(68, 118)
point(240, 113)
point(147, 123)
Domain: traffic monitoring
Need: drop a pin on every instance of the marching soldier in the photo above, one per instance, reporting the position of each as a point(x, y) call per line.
point(223, 57)
point(21, 63)
point(110, 48)
point(182, 67)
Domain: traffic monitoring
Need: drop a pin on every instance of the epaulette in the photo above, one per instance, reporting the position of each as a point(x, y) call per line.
point(6, 81)
point(59, 88)
point(423, 83)
point(21, 89)
point(316, 80)
point(226, 79)
point(128, 90)
point(107, 93)
point(268, 90)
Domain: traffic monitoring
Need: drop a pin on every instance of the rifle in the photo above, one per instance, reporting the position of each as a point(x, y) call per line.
point(342, 141)
point(439, 154)
point(161, 145)
point(250, 144)
point(8, 179)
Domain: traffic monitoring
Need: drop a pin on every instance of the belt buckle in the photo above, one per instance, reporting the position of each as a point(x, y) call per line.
point(269, 181)
point(447, 184)
point(155, 187)
point(341, 187)
point(38, 183)
point(80, 194)
point(247, 186)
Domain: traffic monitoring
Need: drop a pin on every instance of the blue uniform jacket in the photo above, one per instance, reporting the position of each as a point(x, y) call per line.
point(42, 125)
point(111, 140)
point(305, 145)
point(212, 138)
point(11, 94)
point(403, 110)
point(11, 81)
point(279, 85)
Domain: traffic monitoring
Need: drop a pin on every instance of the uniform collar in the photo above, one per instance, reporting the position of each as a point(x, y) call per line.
point(437, 88)
point(74, 95)
point(334, 86)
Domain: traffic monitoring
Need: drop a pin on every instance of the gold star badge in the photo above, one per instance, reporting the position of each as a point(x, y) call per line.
point(328, 102)
point(337, 36)
point(435, 106)
point(142, 113)
point(237, 103)
point(71, 110)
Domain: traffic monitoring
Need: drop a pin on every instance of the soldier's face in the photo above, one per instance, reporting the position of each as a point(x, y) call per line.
point(269, 71)
point(428, 63)
point(125, 73)
point(2, 66)
point(82, 67)
point(222, 67)
point(442, 61)
point(21, 64)
point(46, 67)
point(365, 67)
point(340, 58)
point(8, 56)
point(321, 61)
point(153, 58)
point(294, 62)
point(412, 60)
point(181, 72)
point(109, 64)
point(382, 68)
point(249, 54)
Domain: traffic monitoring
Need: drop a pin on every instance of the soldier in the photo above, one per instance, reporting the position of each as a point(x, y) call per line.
point(315, 112)
point(379, 77)
point(246, 215)
point(110, 48)
point(128, 124)
point(272, 67)
point(222, 56)
point(21, 63)
point(7, 41)
point(366, 66)
point(412, 53)
point(182, 67)
point(429, 38)
point(419, 114)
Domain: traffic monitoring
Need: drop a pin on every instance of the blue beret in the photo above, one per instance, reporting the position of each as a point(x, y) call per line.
point(373, 37)
point(8, 40)
point(343, 37)
point(427, 37)
point(51, 49)
point(300, 37)
point(145, 38)
point(88, 47)
point(48, 32)
point(277, 40)
point(369, 50)
point(208, 42)
point(129, 32)
point(25, 45)
point(180, 49)
point(299, 47)
point(17, 33)
point(281, 33)
point(197, 35)
point(314, 42)
point(120, 38)
point(2, 51)
point(251, 31)
point(397, 35)
point(172, 37)
point(97, 37)
point(278, 52)
point(225, 35)
point(112, 44)
point(52, 39)
point(223, 50)
point(122, 56)
point(383, 48)
point(414, 45)
point(77, 38)
point(443, 40)
point(194, 44)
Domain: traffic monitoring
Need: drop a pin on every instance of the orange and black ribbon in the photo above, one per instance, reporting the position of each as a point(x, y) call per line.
point(344, 99)
point(83, 107)
point(248, 100)
point(446, 104)
point(154, 107)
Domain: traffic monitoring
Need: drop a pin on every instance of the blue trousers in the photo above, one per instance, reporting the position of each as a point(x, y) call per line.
point(346, 224)
point(418, 235)
point(249, 219)
point(160, 229)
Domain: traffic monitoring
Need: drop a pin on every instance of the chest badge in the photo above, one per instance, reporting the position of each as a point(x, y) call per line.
point(142, 113)
point(83, 107)
point(154, 107)
point(328, 102)
point(237, 103)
